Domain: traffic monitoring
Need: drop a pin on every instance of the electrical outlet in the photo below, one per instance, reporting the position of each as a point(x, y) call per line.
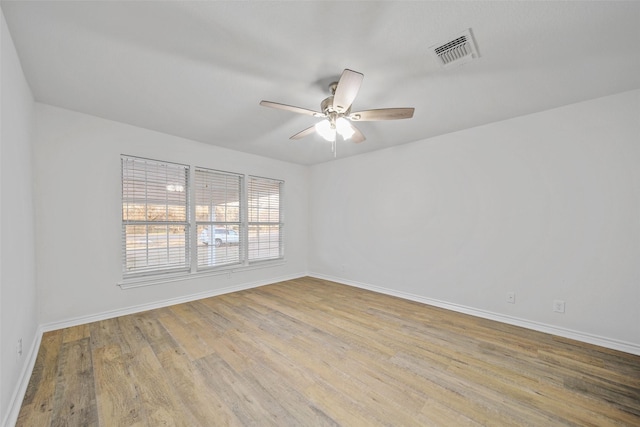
point(511, 297)
point(19, 348)
point(558, 306)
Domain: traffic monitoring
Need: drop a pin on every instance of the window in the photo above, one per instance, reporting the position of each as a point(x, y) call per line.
point(265, 219)
point(182, 219)
point(218, 218)
point(155, 216)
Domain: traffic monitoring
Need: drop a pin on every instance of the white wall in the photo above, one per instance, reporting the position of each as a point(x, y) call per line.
point(546, 206)
point(78, 213)
point(18, 316)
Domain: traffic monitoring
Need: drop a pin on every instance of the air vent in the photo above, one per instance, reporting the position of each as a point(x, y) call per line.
point(456, 51)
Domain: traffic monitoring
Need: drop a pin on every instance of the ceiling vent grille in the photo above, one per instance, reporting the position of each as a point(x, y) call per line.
point(457, 51)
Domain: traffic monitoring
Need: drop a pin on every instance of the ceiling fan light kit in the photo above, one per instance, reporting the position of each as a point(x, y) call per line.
point(336, 112)
point(326, 130)
point(344, 128)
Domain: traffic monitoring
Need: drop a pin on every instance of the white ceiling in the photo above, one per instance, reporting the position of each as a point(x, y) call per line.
point(199, 69)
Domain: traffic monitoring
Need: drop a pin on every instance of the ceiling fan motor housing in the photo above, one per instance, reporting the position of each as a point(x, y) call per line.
point(326, 106)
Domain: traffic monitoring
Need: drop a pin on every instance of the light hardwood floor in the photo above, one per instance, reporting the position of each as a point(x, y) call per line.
point(309, 352)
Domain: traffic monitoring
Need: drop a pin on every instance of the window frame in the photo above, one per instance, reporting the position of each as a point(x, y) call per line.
point(215, 224)
point(152, 276)
point(265, 223)
point(130, 198)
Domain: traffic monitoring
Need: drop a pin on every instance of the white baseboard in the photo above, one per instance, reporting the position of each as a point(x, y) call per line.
point(510, 320)
point(21, 388)
point(81, 320)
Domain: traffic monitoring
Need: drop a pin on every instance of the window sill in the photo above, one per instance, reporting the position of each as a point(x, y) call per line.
point(140, 282)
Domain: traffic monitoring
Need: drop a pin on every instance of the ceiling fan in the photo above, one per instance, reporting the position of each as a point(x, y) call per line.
point(336, 111)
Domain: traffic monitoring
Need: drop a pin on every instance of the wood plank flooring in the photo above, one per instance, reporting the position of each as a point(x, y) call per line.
point(309, 352)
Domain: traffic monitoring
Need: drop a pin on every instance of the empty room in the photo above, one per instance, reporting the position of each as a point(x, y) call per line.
point(319, 213)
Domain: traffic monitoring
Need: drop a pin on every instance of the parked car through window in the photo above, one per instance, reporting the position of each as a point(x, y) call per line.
point(220, 237)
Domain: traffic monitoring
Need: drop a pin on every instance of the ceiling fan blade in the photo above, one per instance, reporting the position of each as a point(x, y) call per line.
point(347, 89)
point(303, 133)
point(291, 108)
point(357, 137)
point(382, 114)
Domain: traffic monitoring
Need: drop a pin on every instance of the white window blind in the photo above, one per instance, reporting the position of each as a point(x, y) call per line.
point(218, 218)
point(264, 219)
point(155, 216)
